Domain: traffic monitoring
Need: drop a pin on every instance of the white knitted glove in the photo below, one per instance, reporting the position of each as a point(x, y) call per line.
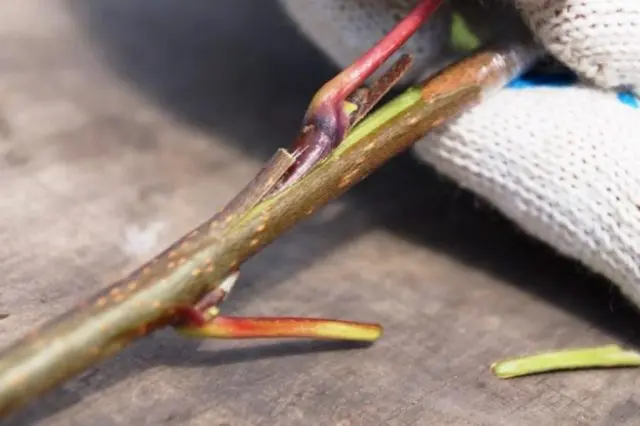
point(562, 161)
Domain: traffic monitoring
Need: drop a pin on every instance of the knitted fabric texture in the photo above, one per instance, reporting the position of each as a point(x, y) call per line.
point(599, 39)
point(563, 163)
point(564, 167)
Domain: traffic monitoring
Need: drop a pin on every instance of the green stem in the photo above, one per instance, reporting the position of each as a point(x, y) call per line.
point(568, 359)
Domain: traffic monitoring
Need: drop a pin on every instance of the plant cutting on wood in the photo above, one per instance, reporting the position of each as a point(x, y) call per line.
point(340, 144)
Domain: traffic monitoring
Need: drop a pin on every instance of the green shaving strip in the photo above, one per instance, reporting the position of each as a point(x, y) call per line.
point(569, 359)
point(462, 38)
point(379, 117)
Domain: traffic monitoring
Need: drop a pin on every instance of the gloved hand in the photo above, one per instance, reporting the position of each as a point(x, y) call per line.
point(561, 160)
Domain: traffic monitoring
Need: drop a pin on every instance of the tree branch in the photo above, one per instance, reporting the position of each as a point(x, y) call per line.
point(164, 290)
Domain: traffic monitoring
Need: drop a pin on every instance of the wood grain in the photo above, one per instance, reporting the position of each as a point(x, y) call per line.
point(124, 123)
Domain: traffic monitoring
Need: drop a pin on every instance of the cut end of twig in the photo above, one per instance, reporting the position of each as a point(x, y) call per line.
point(348, 80)
point(230, 281)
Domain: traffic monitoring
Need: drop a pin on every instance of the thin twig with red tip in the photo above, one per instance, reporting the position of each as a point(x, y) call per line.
point(204, 321)
point(352, 77)
point(285, 327)
point(326, 123)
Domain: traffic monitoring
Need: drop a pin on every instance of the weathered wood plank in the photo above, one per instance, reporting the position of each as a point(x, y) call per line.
point(123, 123)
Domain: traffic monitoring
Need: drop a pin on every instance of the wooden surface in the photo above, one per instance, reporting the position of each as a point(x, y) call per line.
point(124, 123)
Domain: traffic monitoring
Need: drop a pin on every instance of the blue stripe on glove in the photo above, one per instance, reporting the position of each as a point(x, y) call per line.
point(563, 80)
point(629, 98)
